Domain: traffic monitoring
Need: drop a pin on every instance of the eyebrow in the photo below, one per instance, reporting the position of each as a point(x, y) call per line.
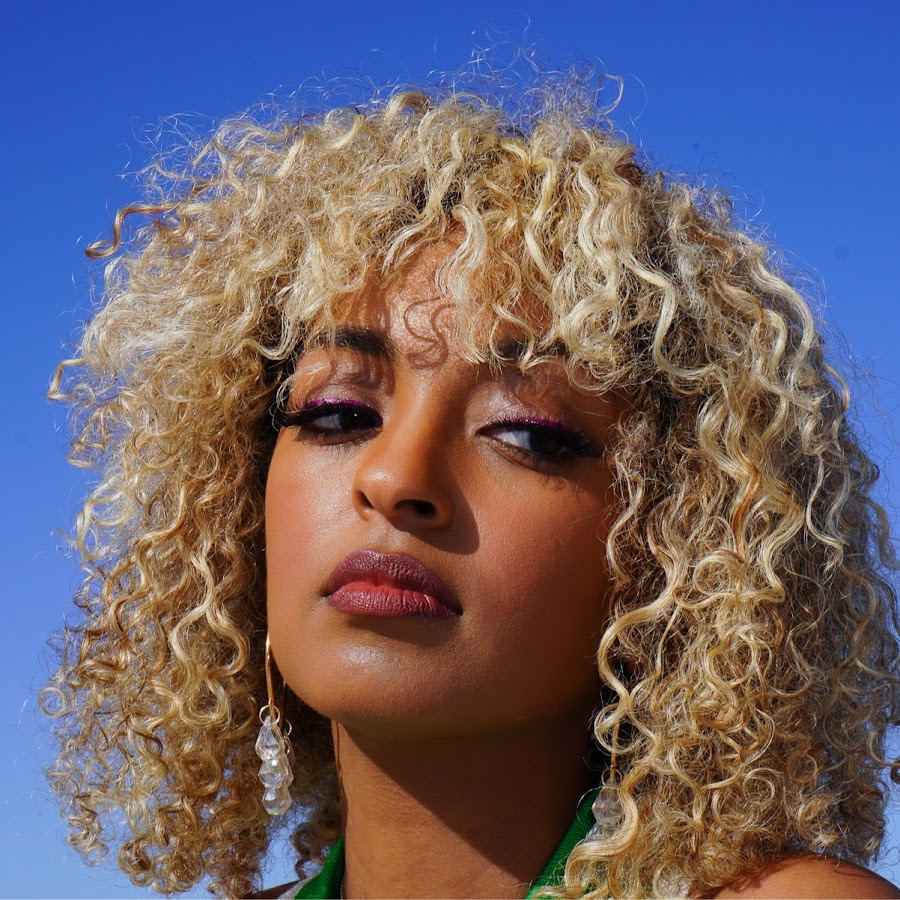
point(360, 340)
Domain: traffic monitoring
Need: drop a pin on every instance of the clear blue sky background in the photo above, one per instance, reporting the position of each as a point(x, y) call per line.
point(796, 103)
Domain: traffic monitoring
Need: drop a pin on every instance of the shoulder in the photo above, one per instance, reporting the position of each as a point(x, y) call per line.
point(812, 876)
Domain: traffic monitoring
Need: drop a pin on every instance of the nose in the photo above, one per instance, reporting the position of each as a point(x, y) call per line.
point(404, 477)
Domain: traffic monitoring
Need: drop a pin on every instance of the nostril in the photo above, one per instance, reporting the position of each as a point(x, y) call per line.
point(423, 508)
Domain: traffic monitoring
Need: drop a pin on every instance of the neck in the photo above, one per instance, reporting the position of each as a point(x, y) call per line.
point(456, 817)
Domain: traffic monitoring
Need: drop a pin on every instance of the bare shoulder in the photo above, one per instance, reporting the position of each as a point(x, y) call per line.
point(813, 876)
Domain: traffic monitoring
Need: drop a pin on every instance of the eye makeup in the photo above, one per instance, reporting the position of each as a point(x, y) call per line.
point(542, 438)
point(331, 418)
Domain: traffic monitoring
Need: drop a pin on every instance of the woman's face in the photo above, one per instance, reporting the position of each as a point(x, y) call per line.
point(435, 531)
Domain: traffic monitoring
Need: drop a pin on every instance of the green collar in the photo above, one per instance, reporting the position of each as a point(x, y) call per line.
point(327, 884)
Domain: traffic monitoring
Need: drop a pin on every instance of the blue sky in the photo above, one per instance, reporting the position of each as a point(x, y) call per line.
point(793, 106)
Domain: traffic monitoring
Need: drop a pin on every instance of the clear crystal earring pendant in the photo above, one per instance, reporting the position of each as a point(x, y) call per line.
point(274, 749)
point(607, 808)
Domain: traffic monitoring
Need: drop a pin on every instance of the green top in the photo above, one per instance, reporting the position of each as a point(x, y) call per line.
point(327, 884)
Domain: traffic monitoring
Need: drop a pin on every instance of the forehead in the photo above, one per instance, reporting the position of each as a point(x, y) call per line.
point(409, 313)
point(408, 302)
point(412, 305)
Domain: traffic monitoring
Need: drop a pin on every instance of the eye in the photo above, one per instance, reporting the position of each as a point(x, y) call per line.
point(542, 439)
point(332, 419)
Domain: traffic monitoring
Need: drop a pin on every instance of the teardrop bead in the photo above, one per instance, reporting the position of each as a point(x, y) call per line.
point(607, 808)
point(275, 772)
point(269, 744)
point(608, 811)
point(276, 800)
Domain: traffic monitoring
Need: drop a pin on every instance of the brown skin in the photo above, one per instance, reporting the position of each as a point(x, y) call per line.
point(456, 817)
point(460, 741)
point(813, 876)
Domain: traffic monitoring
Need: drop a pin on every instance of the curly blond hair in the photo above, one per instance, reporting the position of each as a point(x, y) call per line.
point(751, 656)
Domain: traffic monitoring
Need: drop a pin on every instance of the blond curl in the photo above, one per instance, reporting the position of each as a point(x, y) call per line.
point(751, 657)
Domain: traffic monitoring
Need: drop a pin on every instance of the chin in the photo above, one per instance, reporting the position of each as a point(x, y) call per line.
point(387, 707)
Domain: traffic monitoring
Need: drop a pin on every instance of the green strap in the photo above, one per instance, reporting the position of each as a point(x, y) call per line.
point(327, 884)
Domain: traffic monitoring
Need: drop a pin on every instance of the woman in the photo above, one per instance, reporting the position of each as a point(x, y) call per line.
point(528, 467)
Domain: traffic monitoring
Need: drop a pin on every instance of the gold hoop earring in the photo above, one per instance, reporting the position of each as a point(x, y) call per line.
point(607, 808)
point(273, 748)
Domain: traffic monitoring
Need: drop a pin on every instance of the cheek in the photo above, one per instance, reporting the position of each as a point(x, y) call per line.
point(287, 519)
point(300, 523)
point(550, 588)
point(301, 515)
point(551, 547)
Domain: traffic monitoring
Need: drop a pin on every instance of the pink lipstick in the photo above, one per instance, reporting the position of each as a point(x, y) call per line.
point(389, 585)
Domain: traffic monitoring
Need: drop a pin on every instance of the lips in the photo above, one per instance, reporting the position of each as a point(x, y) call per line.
point(389, 585)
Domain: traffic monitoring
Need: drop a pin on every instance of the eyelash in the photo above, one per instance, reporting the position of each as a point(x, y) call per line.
point(306, 418)
point(572, 443)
